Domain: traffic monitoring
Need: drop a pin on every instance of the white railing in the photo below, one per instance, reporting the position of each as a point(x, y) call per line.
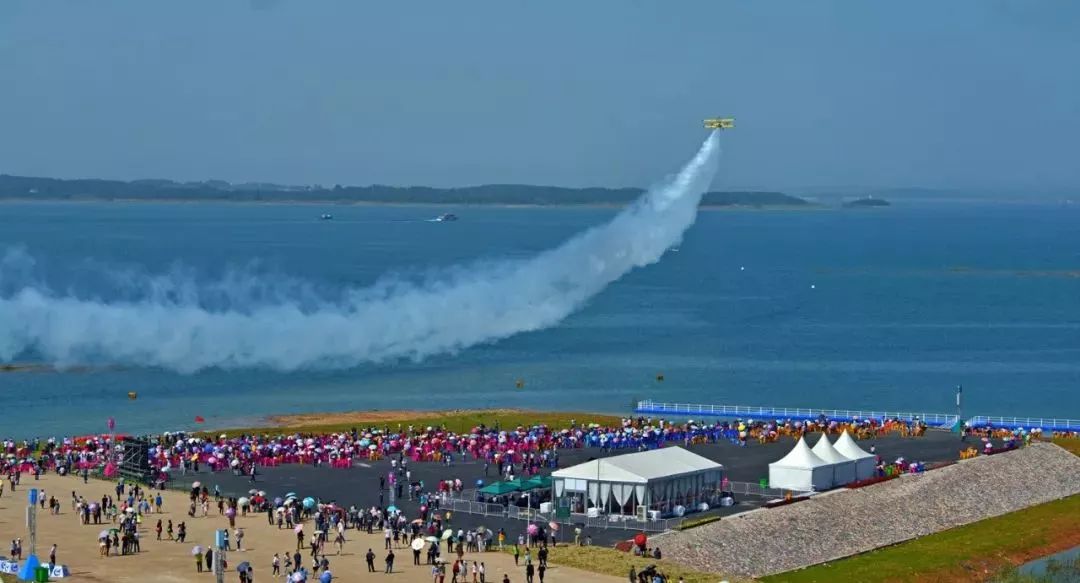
point(532, 514)
point(1027, 422)
point(751, 489)
point(649, 406)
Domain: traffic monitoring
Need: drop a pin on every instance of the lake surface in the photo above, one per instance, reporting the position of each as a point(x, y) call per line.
point(831, 308)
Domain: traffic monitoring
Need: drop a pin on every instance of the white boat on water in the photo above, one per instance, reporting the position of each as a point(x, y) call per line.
point(445, 218)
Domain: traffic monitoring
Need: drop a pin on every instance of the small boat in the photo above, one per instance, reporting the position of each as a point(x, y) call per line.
point(448, 217)
point(325, 217)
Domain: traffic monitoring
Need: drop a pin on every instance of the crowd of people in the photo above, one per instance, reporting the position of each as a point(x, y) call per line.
point(426, 534)
point(534, 447)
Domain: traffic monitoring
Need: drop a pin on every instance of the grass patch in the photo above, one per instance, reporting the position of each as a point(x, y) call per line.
point(965, 553)
point(456, 421)
point(1070, 443)
point(609, 561)
point(688, 524)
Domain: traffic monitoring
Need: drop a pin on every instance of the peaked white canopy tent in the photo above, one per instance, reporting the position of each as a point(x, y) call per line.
point(659, 480)
point(843, 468)
point(801, 470)
point(865, 463)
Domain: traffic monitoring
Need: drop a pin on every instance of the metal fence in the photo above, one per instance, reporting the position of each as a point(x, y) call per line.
point(466, 501)
point(649, 406)
point(1046, 424)
point(581, 520)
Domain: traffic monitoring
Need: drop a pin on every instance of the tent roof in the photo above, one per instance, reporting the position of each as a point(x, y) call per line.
point(847, 447)
point(499, 488)
point(824, 450)
point(539, 482)
point(800, 456)
point(640, 467)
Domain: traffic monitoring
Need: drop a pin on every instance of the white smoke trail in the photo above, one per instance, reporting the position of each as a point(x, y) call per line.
point(172, 326)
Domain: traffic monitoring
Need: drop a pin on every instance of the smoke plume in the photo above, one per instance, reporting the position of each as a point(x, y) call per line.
point(177, 323)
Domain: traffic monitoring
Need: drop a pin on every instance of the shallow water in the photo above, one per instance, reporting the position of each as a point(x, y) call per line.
point(906, 303)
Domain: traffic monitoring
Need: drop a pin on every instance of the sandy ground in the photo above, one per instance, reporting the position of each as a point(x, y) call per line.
point(168, 561)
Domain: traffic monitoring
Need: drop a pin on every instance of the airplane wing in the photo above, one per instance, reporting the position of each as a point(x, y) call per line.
point(722, 123)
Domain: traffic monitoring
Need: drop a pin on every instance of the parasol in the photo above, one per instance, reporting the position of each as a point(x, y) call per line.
point(243, 567)
point(417, 544)
point(431, 539)
point(447, 533)
point(196, 550)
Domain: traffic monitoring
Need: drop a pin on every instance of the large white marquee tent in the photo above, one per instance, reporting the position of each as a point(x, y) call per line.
point(865, 463)
point(843, 468)
point(659, 480)
point(801, 470)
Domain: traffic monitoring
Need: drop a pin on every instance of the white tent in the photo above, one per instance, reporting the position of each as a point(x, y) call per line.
point(865, 463)
point(801, 470)
point(658, 479)
point(843, 468)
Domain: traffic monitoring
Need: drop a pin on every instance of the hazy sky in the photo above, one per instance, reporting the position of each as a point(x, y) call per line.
point(963, 94)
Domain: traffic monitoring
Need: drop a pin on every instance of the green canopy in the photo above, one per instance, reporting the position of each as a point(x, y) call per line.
point(538, 482)
point(519, 484)
point(499, 488)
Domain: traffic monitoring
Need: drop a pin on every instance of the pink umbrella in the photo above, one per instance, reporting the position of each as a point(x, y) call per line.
point(299, 528)
point(532, 529)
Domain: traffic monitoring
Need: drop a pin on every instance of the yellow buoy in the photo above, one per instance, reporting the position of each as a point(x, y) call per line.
point(520, 384)
point(132, 395)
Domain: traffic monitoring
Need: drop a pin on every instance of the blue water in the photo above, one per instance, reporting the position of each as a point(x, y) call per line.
point(907, 303)
point(1038, 567)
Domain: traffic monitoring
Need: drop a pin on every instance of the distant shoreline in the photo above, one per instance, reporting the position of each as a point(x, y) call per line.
point(349, 203)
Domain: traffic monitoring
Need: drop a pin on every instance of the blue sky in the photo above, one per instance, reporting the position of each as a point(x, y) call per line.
point(971, 94)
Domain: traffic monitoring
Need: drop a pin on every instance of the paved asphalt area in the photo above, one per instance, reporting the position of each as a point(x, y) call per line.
point(360, 485)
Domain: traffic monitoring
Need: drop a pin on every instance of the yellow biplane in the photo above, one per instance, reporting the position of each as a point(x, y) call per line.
point(720, 123)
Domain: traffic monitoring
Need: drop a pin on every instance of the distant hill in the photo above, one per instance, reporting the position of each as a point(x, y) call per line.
point(32, 188)
point(868, 202)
